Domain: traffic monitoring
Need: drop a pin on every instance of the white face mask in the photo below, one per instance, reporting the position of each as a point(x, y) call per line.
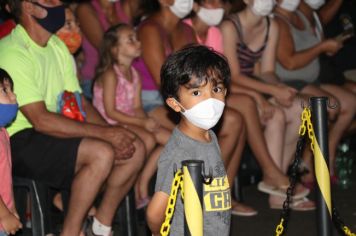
point(211, 17)
point(289, 5)
point(182, 8)
point(262, 7)
point(205, 114)
point(315, 4)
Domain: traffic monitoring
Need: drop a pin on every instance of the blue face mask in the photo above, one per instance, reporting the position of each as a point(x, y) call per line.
point(7, 113)
point(54, 20)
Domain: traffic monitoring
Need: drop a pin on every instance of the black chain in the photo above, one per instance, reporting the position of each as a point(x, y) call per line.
point(339, 223)
point(292, 179)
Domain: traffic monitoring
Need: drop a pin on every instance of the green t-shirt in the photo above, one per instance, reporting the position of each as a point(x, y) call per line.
point(39, 73)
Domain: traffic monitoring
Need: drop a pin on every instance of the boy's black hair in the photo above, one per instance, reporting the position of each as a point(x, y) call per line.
point(193, 62)
point(5, 76)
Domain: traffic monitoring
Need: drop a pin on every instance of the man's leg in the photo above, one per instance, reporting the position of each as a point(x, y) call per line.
point(119, 183)
point(94, 163)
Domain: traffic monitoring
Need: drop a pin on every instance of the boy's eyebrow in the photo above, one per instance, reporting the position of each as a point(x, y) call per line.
point(192, 86)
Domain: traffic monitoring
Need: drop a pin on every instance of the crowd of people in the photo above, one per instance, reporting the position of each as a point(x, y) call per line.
point(130, 66)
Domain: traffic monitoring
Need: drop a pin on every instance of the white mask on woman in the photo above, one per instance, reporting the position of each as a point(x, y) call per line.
point(205, 114)
point(262, 7)
point(182, 8)
point(211, 17)
point(289, 5)
point(315, 4)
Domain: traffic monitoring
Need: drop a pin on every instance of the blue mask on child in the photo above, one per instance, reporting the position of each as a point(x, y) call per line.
point(55, 18)
point(7, 113)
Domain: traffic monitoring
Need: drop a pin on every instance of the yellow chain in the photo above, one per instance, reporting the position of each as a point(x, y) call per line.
point(280, 228)
point(347, 231)
point(177, 183)
point(306, 125)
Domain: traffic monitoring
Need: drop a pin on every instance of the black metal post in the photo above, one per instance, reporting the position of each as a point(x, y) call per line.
point(320, 124)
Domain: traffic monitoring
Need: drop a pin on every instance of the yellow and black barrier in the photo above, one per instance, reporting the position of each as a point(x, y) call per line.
point(321, 159)
point(189, 181)
point(326, 213)
point(193, 201)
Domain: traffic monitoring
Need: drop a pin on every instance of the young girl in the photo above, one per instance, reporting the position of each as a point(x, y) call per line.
point(9, 220)
point(117, 96)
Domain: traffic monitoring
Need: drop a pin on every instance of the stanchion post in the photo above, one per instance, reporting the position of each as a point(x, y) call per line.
point(323, 195)
point(193, 197)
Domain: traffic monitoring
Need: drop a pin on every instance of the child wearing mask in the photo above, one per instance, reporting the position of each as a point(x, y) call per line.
point(9, 219)
point(71, 36)
point(194, 82)
point(205, 20)
point(117, 97)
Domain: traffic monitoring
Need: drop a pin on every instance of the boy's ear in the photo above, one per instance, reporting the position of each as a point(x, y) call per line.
point(172, 103)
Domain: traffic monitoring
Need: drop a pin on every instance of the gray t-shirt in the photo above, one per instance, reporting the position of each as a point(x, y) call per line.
point(216, 196)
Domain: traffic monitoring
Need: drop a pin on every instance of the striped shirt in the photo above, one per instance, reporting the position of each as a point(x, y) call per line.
point(246, 56)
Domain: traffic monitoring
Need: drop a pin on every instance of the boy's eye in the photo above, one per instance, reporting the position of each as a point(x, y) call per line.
point(196, 93)
point(218, 89)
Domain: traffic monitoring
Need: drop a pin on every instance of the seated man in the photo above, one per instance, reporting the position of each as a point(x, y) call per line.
point(47, 146)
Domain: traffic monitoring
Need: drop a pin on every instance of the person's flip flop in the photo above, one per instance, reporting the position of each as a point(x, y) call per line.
point(280, 191)
point(243, 213)
point(303, 204)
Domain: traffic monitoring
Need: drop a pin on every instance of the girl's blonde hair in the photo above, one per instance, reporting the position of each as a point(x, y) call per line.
point(106, 56)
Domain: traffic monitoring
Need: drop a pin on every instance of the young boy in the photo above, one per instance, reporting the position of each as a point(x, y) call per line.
point(194, 82)
point(9, 220)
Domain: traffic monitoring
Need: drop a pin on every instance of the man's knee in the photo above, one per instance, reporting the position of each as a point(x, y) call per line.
point(97, 154)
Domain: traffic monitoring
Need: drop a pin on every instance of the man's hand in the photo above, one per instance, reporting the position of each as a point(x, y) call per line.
point(122, 141)
point(10, 223)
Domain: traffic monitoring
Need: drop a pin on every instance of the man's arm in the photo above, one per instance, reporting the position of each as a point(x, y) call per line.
point(156, 212)
point(92, 115)
point(57, 125)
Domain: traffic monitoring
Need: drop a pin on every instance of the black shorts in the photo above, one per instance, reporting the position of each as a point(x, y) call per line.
point(44, 158)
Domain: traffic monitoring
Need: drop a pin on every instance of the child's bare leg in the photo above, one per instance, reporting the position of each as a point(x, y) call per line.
point(149, 143)
point(148, 171)
point(162, 135)
point(147, 137)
